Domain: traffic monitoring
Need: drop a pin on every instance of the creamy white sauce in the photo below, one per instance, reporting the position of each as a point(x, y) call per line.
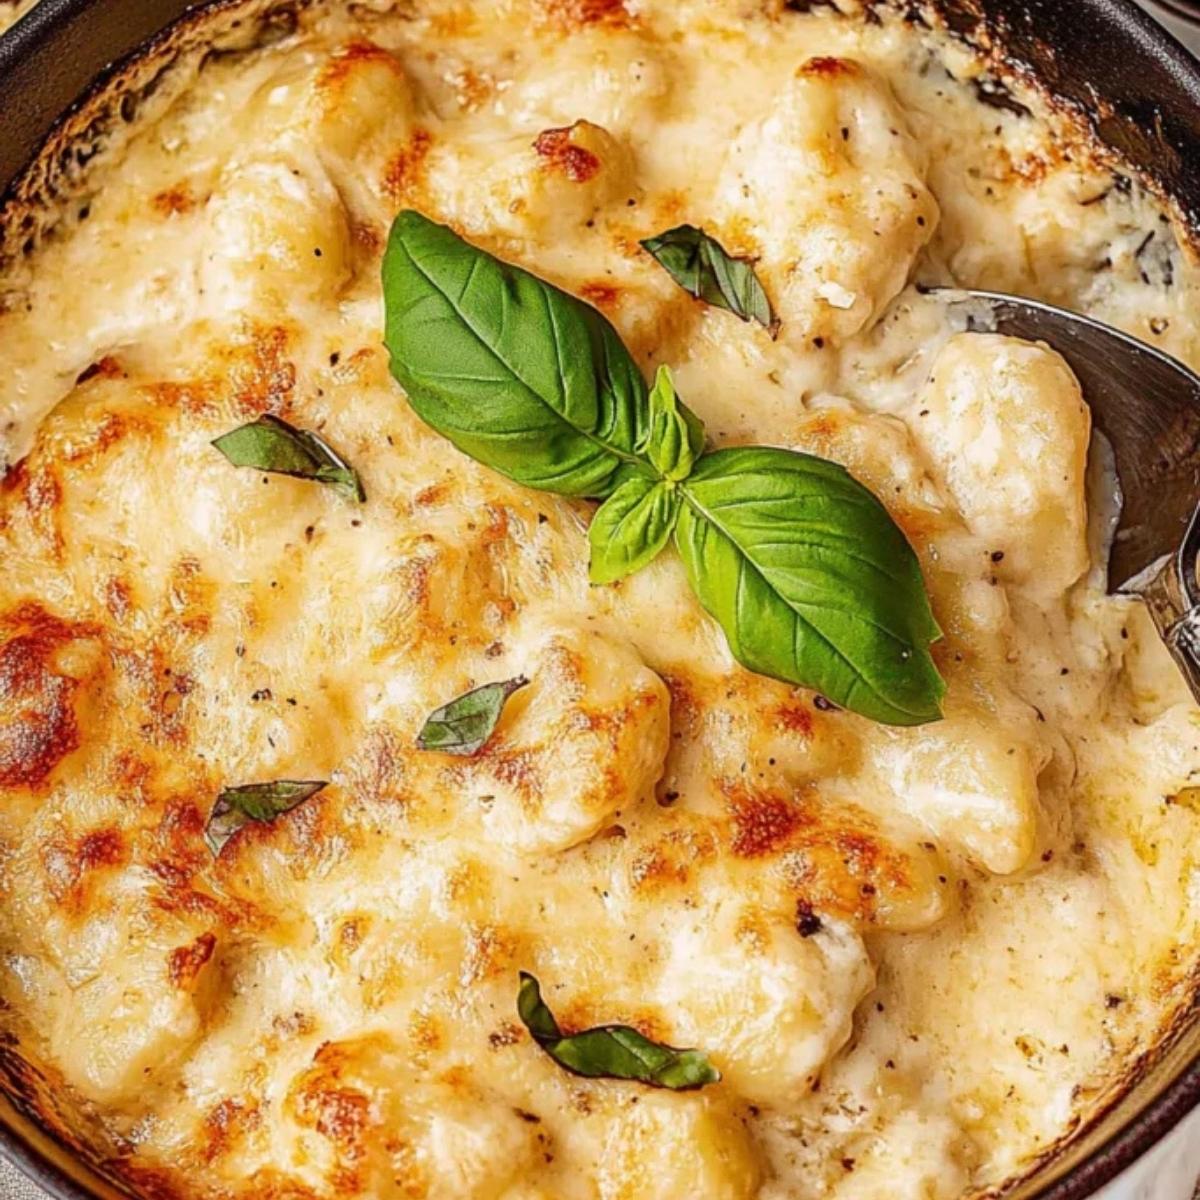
point(1008, 898)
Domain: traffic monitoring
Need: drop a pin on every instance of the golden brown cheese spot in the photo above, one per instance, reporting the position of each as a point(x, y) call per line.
point(562, 154)
point(186, 962)
point(332, 79)
point(403, 172)
point(174, 200)
point(225, 1126)
point(824, 67)
point(261, 376)
point(339, 1113)
point(42, 494)
point(70, 864)
point(832, 854)
point(602, 295)
point(762, 823)
point(41, 670)
point(575, 14)
point(674, 859)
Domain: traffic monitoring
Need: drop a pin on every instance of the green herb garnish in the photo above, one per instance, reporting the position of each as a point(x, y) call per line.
point(238, 806)
point(271, 444)
point(611, 1051)
point(807, 573)
point(702, 267)
point(464, 724)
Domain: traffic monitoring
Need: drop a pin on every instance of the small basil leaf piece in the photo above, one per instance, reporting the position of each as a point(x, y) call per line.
point(238, 806)
point(611, 1051)
point(631, 527)
point(702, 266)
point(676, 434)
point(271, 444)
point(516, 373)
point(465, 723)
point(811, 580)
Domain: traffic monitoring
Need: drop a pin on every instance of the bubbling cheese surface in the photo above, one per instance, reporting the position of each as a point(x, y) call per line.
point(918, 956)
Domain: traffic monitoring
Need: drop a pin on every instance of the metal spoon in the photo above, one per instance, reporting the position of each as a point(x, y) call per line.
point(1148, 407)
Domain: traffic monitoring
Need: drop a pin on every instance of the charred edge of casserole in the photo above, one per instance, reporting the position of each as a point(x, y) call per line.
point(40, 1099)
point(1114, 136)
point(1118, 1107)
point(55, 184)
point(54, 187)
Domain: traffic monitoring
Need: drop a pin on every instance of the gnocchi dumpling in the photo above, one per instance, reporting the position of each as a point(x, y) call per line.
point(828, 191)
point(277, 233)
point(617, 77)
point(588, 737)
point(1007, 429)
point(395, 1132)
point(356, 107)
point(972, 781)
point(777, 1004)
point(138, 1009)
point(668, 1146)
point(546, 185)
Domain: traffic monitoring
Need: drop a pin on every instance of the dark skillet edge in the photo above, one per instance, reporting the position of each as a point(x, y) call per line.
point(40, 1167)
point(61, 80)
point(52, 62)
point(1155, 140)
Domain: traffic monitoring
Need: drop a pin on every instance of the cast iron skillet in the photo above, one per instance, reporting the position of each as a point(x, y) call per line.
point(62, 75)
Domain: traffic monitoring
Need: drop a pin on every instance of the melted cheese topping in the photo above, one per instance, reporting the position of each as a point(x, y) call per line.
point(918, 957)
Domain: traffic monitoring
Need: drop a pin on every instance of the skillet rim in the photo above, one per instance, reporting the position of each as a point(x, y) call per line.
point(989, 25)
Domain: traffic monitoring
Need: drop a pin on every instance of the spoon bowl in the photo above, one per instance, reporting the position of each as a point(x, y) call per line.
point(1147, 406)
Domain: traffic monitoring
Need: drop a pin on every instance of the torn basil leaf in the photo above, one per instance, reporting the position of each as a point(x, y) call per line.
point(611, 1051)
point(702, 266)
point(676, 437)
point(271, 444)
point(631, 527)
point(464, 724)
point(238, 806)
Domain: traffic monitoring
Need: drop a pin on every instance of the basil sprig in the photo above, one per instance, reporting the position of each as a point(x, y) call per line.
point(236, 807)
point(464, 724)
point(271, 444)
point(807, 573)
point(703, 267)
point(611, 1051)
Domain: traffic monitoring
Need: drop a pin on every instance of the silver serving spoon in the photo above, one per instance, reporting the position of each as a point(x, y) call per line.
point(1148, 407)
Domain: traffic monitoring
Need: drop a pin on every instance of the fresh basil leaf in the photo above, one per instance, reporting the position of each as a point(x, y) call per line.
point(631, 527)
point(676, 434)
point(238, 806)
point(702, 266)
point(465, 723)
point(516, 373)
point(611, 1051)
point(271, 444)
point(812, 581)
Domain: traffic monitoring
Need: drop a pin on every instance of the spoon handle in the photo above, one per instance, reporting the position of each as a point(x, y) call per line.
point(1171, 592)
